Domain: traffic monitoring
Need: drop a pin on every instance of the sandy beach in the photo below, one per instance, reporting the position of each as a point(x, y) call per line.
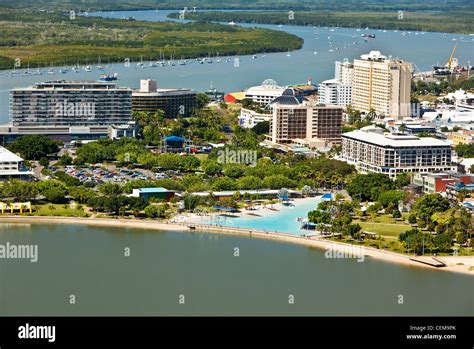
point(460, 264)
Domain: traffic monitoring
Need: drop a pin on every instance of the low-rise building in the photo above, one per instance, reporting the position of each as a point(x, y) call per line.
point(265, 93)
point(156, 193)
point(249, 118)
point(175, 102)
point(462, 137)
point(459, 191)
point(372, 150)
point(11, 165)
point(431, 183)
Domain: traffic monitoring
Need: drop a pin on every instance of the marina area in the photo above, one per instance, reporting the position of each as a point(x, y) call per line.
point(322, 46)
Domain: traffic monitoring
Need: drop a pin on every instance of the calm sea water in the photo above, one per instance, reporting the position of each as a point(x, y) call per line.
point(425, 50)
point(89, 263)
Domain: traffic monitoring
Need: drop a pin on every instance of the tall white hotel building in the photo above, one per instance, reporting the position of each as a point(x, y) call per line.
point(382, 84)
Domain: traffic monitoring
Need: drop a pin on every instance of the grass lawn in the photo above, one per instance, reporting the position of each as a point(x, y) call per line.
point(384, 225)
point(201, 157)
point(389, 230)
point(57, 210)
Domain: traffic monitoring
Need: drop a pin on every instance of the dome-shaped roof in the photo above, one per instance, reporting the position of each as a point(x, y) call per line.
point(269, 83)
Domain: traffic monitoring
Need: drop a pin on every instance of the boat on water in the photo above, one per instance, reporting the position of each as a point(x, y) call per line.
point(254, 56)
point(106, 77)
point(88, 68)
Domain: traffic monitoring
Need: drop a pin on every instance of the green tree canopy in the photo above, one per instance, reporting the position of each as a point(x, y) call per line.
point(34, 147)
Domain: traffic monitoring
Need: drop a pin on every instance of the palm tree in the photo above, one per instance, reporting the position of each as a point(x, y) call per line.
point(403, 128)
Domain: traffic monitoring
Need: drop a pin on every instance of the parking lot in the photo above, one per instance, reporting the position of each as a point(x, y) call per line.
point(107, 174)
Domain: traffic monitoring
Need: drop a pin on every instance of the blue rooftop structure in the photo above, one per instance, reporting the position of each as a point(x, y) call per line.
point(327, 196)
point(174, 139)
point(153, 190)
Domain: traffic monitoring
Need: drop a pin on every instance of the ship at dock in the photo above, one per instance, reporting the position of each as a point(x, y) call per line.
point(107, 77)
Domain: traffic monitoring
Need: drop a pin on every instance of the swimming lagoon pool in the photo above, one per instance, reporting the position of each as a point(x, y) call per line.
point(282, 219)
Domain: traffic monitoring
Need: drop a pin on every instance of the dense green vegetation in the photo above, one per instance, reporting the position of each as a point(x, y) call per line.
point(43, 39)
point(438, 5)
point(34, 147)
point(372, 185)
point(436, 88)
point(450, 21)
point(465, 150)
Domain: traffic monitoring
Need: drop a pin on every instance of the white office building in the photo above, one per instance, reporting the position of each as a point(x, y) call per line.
point(372, 150)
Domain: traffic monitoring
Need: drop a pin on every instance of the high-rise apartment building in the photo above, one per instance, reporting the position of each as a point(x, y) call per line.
point(382, 84)
point(70, 103)
point(344, 72)
point(334, 92)
point(295, 118)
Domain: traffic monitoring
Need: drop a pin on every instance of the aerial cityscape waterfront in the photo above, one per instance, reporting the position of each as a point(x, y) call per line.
point(157, 162)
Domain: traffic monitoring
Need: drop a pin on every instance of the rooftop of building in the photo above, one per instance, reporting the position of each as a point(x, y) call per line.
point(289, 97)
point(374, 56)
point(7, 156)
point(330, 82)
point(154, 190)
point(164, 91)
point(268, 85)
point(71, 84)
point(393, 140)
point(446, 175)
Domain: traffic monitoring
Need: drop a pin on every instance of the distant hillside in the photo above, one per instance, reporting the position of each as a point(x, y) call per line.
point(360, 5)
